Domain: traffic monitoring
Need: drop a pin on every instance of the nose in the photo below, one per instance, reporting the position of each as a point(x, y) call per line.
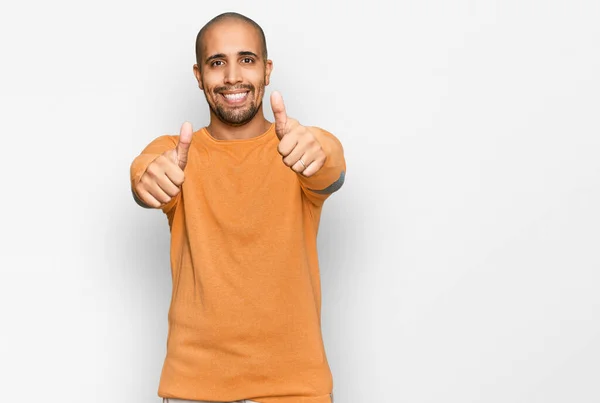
point(233, 74)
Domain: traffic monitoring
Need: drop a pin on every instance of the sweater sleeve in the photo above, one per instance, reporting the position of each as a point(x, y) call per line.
point(330, 177)
point(140, 163)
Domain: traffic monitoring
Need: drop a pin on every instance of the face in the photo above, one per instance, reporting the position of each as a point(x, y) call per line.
point(232, 72)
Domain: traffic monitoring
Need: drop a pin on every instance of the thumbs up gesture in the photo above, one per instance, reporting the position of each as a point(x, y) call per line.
point(298, 145)
point(164, 176)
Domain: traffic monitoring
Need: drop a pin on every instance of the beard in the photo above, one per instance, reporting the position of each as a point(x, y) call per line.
point(236, 116)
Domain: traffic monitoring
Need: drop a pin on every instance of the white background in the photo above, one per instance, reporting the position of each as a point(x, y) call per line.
point(459, 261)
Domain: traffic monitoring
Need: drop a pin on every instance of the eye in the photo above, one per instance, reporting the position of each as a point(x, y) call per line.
point(217, 63)
point(247, 60)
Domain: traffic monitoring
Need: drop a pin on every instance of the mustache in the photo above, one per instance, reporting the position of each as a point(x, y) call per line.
point(234, 88)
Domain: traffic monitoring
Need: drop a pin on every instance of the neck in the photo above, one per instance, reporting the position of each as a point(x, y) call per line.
point(223, 131)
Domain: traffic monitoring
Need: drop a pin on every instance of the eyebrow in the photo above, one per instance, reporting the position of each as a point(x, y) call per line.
point(223, 56)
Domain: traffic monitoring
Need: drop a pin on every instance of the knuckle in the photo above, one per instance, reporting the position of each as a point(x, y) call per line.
point(173, 192)
point(151, 180)
point(178, 181)
point(153, 169)
point(145, 180)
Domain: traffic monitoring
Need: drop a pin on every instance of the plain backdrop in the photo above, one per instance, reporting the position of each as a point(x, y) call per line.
point(460, 260)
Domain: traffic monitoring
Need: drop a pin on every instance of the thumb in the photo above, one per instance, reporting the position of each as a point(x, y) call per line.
point(279, 114)
point(183, 146)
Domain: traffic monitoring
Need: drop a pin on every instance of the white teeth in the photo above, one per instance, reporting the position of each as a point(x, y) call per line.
point(235, 97)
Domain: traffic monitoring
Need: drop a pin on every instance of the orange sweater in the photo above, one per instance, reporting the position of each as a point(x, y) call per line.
point(245, 314)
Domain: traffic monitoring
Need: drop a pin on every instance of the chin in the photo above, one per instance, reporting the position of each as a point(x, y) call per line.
point(240, 118)
point(234, 122)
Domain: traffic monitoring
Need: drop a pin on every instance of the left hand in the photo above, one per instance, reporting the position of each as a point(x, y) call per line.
point(298, 144)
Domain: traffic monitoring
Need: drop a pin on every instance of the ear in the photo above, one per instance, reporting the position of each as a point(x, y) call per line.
point(268, 70)
point(198, 76)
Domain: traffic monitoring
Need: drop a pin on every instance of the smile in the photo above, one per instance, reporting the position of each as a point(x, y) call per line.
point(236, 98)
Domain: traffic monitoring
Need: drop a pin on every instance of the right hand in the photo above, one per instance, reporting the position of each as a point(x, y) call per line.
point(164, 176)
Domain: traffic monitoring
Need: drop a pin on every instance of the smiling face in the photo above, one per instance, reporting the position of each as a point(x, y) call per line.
point(232, 71)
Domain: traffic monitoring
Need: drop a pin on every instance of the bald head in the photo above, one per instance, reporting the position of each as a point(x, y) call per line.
point(229, 16)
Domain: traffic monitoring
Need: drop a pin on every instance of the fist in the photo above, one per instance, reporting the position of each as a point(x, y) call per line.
point(298, 145)
point(164, 176)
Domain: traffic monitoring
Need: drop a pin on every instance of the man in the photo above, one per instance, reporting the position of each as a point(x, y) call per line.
point(243, 197)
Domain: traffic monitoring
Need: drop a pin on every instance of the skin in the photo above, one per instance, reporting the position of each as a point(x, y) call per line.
point(232, 62)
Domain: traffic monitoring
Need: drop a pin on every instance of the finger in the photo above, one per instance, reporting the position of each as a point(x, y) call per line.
point(279, 114)
point(147, 198)
point(287, 144)
point(167, 186)
point(166, 162)
point(183, 146)
point(313, 167)
point(294, 156)
point(175, 174)
point(158, 193)
point(159, 186)
point(302, 163)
